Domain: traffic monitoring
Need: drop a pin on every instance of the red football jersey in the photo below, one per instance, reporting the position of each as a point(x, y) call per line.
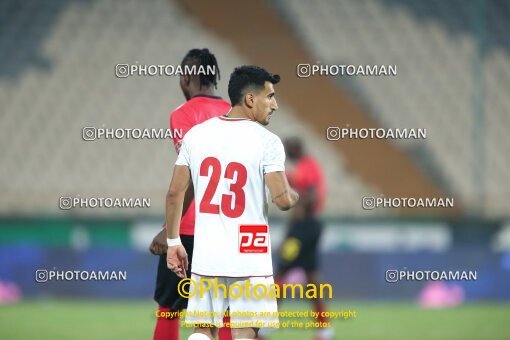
point(195, 111)
point(308, 174)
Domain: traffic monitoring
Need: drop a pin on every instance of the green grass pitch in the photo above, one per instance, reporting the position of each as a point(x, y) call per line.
point(71, 319)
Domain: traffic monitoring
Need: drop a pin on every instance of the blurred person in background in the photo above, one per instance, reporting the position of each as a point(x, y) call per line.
point(300, 246)
point(201, 104)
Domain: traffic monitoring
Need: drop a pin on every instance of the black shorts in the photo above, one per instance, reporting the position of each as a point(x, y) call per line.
point(166, 294)
point(300, 247)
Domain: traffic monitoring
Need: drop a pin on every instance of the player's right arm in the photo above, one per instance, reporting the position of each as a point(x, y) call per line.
point(180, 123)
point(282, 195)
point(158, 245)
point(177, 258)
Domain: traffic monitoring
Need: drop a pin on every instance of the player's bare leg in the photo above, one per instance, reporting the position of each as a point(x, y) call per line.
point(244, 333)
point(319, 307)
point(278, 279)
point(200, 332)
point(264, 333)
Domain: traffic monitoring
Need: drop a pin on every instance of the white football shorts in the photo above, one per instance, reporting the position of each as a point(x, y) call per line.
point(249, 299)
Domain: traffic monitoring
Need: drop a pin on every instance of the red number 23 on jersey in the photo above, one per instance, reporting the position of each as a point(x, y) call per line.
point(233, 170)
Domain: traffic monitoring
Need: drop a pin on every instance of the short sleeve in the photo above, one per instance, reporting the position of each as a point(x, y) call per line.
point(184, 155)
point(274, 156)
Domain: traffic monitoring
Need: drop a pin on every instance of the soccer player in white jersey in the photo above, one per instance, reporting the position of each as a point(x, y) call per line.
point(230, 160)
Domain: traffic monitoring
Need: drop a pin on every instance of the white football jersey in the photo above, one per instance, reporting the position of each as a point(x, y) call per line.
point(228, 158)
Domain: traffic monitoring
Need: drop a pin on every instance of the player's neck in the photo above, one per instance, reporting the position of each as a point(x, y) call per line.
point(238, 112)
point(204, 91)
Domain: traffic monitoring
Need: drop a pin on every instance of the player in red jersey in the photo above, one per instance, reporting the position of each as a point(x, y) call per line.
point(201, 105)
point(300, 247)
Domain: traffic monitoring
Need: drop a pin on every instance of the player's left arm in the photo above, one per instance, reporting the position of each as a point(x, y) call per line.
point(283, 196)
point(177, 258)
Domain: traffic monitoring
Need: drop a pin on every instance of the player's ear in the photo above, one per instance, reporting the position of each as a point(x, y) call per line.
point(249, 99)
point(186, 79)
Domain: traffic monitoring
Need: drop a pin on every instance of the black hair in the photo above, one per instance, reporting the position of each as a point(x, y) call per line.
point(248, 76)
point(202, 57)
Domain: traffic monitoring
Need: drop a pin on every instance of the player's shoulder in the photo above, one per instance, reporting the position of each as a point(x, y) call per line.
point(260, 132)
point(210, 123)
point(203, 127)
point(268, 136)
point(179, 112)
